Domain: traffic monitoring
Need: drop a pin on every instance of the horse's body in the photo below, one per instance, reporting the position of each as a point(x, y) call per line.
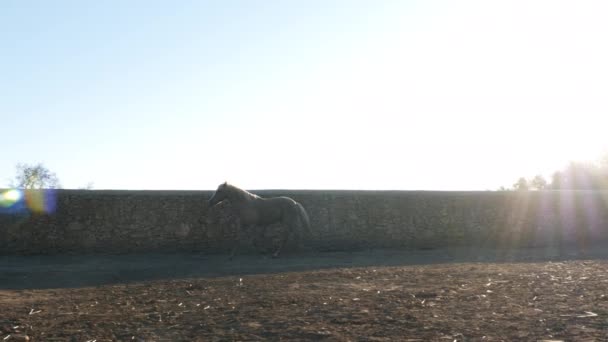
point(249, 209)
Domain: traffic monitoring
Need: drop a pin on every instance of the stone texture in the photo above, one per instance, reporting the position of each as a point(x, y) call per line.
point(90, 221)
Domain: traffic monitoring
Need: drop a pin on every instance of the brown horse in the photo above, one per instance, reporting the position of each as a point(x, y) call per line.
point(249, 210)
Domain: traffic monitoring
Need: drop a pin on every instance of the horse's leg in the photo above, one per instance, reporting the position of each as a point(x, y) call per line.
point(237, 239)
point(278, 251)
point(233, 250)
point(283, 241)
point(289, 225)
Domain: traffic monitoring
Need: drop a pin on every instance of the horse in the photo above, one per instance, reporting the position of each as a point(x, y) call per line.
point(223, 224)
point(249, 209)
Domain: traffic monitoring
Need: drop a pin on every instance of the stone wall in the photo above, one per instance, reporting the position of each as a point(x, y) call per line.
point(83, 221)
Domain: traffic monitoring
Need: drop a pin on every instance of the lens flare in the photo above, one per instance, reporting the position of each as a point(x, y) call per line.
point(41, 201)
point(38, 201)
point(8, 198)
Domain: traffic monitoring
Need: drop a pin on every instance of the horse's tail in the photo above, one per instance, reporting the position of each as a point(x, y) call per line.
point(304, 218)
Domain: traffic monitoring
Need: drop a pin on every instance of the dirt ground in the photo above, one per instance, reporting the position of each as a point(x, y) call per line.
point(446, 295)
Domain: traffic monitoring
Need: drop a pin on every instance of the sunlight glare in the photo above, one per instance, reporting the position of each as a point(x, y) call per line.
point(10, 197)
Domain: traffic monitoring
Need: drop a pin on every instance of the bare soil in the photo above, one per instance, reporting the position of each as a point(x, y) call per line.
point(516, 300)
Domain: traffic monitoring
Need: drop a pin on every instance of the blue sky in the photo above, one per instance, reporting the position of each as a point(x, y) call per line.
point(301, 94)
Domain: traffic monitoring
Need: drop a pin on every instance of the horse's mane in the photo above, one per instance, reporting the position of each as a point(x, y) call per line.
point(240, 193)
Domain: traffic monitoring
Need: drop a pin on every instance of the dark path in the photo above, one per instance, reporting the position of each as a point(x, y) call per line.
point(37, 272)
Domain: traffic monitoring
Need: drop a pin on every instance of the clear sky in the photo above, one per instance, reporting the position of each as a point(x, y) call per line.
point(315, 94)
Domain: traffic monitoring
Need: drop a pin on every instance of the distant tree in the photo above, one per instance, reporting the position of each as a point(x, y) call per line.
point(580, 176)
point(521, 184)
point(574, 176)
point(89, 186)
point(35, 177)
point(556, 180)
point(538, 183)
point(601, 174)
point(603, 161)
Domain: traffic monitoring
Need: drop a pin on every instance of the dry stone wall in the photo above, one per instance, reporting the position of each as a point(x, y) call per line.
point(89, 221)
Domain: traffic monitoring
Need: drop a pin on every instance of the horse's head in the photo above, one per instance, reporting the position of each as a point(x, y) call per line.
point(220, 194)
point(218, 213)
point(217, 218)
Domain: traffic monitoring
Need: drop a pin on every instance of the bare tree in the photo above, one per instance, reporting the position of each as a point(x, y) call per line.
point(538, 182)
point(35, 177)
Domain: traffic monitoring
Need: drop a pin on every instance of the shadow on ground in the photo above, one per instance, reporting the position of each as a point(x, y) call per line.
point(40, 272)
